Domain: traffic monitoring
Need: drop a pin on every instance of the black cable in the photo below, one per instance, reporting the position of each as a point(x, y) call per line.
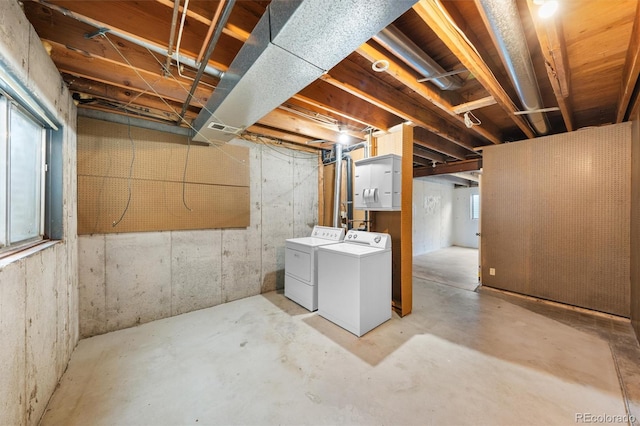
point(133, 158)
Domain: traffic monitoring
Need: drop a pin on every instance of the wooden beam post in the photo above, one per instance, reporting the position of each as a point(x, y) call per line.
point(398, 224)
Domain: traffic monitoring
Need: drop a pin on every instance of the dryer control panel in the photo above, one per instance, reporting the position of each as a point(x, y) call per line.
point(373, 239)
point(328, 233)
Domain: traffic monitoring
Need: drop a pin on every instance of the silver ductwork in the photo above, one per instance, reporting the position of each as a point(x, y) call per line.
point(292, 45)
point(407, 51)
point(503, 20)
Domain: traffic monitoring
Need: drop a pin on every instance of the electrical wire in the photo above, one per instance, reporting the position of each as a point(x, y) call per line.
point(184, 175)
point(133, 159)
point(239, 161)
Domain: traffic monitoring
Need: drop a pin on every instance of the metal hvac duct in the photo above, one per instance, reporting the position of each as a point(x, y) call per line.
point(292, 45)
point(503, 19)
point(407, 51)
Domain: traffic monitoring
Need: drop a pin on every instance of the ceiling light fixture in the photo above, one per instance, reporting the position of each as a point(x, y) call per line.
point(343, 137)
point(546, 8)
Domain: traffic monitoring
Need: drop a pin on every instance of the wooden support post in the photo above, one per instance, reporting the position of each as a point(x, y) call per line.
point(399, 223)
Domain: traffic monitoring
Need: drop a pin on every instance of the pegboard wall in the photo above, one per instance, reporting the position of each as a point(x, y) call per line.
point(556, 218)
point(212, 192)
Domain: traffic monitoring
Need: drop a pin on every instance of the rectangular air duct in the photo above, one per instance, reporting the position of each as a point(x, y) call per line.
point(292, 45)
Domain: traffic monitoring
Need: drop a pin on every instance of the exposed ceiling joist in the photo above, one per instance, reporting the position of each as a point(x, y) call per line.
point(324, 96)
point(123, 76)
point(294, 123)
point(432, 141)
point(409, 79)
point(351, 78)
point(630, 73)
point(473, 105)
point(553, 47)
point(455, 167)
point(434, 15)
point(230, 30)
point(428, 155)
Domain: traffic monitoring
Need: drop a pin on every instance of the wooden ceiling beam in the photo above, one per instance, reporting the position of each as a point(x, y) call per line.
point(409, 79)
point(554, 50)
point(231, 29)
point(423, 161)
point(257, 132)
point(152, 24)
point(351, 78)
point(294, 123)
point(630, 74)
point(55, 27)
point(447, 168)
point(434, 142)
point(420, 152)
point(326, 96)
point(440, 22)
point(126, 96)
point(98, 69)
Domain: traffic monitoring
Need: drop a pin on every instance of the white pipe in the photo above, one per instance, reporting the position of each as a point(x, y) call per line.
point(338, 185)
point(131, 38)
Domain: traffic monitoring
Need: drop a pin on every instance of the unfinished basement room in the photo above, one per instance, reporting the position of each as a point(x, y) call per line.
point(319, 212)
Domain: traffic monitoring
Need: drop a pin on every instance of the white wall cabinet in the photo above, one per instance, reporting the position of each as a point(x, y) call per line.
point(378, 183)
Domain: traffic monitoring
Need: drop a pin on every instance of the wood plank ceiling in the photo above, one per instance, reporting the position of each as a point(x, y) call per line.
point(586, 61)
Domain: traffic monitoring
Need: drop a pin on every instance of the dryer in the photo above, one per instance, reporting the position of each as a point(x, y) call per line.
point(301, 264)
point(354, 281)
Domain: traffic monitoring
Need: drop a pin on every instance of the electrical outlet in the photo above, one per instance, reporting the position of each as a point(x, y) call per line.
point(492, 271)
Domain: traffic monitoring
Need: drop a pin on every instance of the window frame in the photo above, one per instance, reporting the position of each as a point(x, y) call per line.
point(9, 106)
point(474, 207)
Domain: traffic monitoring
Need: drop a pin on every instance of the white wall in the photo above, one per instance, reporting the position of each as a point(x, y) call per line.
point(38, 292)
point(127, 279)
point(464, 228)
point(432, 215)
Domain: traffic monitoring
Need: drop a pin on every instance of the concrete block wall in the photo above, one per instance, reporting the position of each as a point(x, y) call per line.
point(432, 215)
point(38, 291)
point(128, 279)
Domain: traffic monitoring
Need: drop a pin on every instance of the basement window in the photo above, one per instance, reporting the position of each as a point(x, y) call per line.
point(22, 176)
point(475, 206)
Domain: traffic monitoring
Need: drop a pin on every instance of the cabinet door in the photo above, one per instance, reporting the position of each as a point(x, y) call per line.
point(362, 181)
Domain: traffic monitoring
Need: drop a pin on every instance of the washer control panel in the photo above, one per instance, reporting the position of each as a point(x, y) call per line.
point(328, 233)
point(373, 239)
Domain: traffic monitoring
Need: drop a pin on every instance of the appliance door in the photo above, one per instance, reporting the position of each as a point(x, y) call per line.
point(299, 264)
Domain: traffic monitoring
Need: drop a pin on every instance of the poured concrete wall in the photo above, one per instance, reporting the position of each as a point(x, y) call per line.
point(432, 215)
point(38, 292)
point(127, 279)
point(464, 228)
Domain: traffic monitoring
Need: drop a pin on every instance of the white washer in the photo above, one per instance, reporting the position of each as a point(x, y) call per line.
point(301, 265)
point(354, 281)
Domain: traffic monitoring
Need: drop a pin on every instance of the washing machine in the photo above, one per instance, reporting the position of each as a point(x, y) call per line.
point(301, 264)
point(354, 281)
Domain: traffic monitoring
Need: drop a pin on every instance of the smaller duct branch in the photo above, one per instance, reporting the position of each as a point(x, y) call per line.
point(409, 53)
point(503, 21)
point(212, 44)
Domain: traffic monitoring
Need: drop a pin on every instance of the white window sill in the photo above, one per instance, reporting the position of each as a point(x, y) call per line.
point(14, 257)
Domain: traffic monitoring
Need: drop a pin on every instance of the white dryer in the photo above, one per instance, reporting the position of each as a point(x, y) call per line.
point(301, 264)
point(354, 281)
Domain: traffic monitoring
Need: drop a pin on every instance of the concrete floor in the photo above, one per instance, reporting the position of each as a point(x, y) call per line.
point(461, 357)
point(454, 266)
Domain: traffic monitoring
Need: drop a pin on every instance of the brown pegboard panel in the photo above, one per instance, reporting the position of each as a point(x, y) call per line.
point(556, 217)
point(216, 187)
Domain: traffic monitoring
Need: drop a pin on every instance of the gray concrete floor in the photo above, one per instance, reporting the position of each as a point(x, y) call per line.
point(461, 357)
point(454, 266)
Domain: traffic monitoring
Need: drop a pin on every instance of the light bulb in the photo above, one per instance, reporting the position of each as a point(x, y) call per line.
point(547, 9)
